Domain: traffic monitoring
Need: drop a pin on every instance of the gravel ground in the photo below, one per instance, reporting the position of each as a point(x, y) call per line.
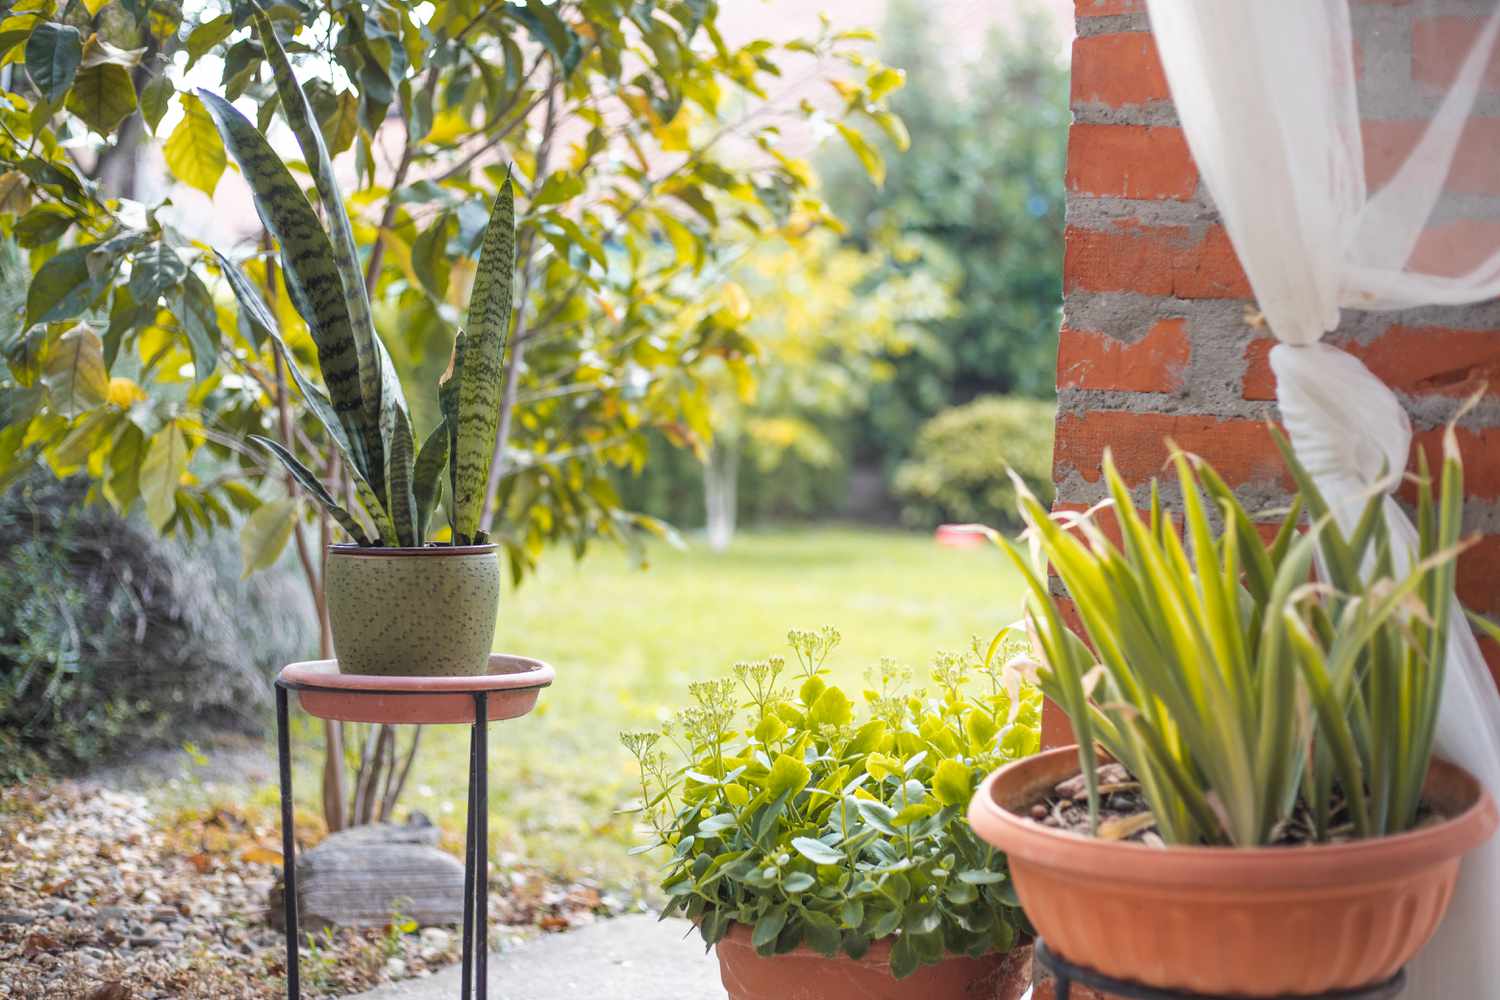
point(100, 899)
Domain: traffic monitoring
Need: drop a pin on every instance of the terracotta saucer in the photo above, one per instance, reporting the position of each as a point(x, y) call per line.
point(512, 684)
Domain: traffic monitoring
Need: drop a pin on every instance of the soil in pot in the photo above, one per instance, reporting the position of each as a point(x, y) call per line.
point(1253, 922)
point(803, 974)
point(416, 612)
point(1124, 813)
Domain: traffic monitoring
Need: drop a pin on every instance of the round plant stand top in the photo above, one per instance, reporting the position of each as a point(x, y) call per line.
point(510, 688)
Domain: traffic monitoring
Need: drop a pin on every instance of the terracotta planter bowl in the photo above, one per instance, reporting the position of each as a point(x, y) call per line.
point(413, 612)
point(803, 974)
point(1258, 922)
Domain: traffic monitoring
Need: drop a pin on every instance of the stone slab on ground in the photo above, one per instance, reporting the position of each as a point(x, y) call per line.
point(625, 958)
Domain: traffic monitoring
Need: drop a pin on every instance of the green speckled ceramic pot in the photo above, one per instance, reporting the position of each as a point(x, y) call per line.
point(427, 612)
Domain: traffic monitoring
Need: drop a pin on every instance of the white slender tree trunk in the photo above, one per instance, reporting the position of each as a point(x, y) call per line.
point(721, 492)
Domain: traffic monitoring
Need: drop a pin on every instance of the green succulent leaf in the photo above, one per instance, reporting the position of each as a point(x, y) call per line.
point(482, 376)
point(314, 488)
point(427, 475)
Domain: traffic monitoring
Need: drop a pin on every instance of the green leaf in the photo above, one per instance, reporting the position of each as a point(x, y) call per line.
point(379, 388)
point(481, 381)
point(155, 97)
point(788, 776)
point(200, 321)
point(64, 287)
point(798, 882)
point(102, 96)
point(978, 876)
point(207, 35)
point(311, 277)
point(953, 783)
point(427, 475)
point(53, 53)
point(817, 852)
point(266, 533)
point(448, 384)
point(904, 959)
point(767, 928)
point(161, 471)
point(194, 151)
point(258, 317)
point(558, 187)
point(314, 488)
point(43, 224)
point(75, 376)
point(864, 151)
point(153, 270)
point(832, 708)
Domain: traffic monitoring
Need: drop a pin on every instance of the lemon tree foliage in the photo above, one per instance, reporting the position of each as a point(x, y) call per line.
point(647, 151)
point(782, 806)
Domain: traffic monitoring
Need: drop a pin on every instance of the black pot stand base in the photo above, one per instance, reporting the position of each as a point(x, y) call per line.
point(508, 692)
point(1066, 974)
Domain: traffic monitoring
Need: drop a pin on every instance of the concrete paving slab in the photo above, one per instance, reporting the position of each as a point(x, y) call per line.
point(635, 957)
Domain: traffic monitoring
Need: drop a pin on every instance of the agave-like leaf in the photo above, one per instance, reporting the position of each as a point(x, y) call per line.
point(259, 314)
point(480, 381)
point(299, 116)
point(448, 403)
point(427, 475)
point(311, 277)
point(309, 482)
point(400, 452)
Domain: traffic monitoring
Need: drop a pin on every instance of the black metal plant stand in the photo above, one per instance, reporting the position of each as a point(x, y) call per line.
point(1066, 974)
point(510, 690)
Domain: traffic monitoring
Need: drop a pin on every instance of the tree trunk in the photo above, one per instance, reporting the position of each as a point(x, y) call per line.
point(721, 475)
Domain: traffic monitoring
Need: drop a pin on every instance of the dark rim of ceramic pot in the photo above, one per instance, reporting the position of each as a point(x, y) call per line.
point(346, 549)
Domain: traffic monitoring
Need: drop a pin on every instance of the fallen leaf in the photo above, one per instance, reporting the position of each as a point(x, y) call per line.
point(1124, 827)
point(261, 855)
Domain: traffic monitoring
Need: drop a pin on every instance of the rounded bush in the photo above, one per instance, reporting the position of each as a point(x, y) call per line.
point(957, 471)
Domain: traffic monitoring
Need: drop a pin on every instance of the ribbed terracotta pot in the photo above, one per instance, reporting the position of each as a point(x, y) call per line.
point(413, 612)
point(803, 974)
point(1259, 922)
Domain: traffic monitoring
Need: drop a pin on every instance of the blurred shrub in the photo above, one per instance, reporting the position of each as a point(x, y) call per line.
point(957, 469)
point(112, 637)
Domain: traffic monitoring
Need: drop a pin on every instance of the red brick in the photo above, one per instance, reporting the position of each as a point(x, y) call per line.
point(1155, 363)
point(1388, 142)
point(1413, 359)
point(1439, 46)
point(1453, 249)
point(1153, 261)
point(1259, 382)
point(1130, 161)
point(1480, 448)
point(1477, 584)
point(1118, 70)
point(1105, 8)
point(1241, 450)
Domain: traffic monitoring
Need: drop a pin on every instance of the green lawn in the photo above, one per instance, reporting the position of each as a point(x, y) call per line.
point(626, 642)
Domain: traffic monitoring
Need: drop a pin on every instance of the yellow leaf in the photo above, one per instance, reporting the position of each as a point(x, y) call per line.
point(194, 151)
point(265, 534)
point(123, 393)
point(260, 855)
point(161, 471)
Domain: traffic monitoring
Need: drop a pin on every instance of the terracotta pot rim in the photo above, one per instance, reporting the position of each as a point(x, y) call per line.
point(350, 549)
point(1261, 868)
point(879, 953)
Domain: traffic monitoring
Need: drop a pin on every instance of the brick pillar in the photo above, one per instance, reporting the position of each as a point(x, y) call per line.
point(1154, 341)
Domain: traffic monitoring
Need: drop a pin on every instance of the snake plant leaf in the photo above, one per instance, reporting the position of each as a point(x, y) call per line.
point(448, 403)
point(427, 474)
point(483, 374)
point(400, 453)
point(258, 315)
point(315, 489)
point(311, 276)
point(379, 386)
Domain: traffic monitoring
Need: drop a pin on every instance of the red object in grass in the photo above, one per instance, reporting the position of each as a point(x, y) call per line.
point(960, 536)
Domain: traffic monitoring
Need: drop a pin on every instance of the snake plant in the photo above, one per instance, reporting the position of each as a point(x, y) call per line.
point(1237, 690)
point(364, 410)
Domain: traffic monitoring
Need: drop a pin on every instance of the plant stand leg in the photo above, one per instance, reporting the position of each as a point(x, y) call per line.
point(467, 984)
point(288, 843)
point(482, 845)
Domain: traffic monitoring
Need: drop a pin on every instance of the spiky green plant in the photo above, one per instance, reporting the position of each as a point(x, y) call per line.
point(1224, 678)
point(364, 411)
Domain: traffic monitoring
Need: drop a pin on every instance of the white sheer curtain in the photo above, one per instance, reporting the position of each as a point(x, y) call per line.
point(1267, 94)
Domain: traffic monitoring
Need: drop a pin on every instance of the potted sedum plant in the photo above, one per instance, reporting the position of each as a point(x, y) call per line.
point(823, 848)
point(395, 604)
point(1270, 820)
